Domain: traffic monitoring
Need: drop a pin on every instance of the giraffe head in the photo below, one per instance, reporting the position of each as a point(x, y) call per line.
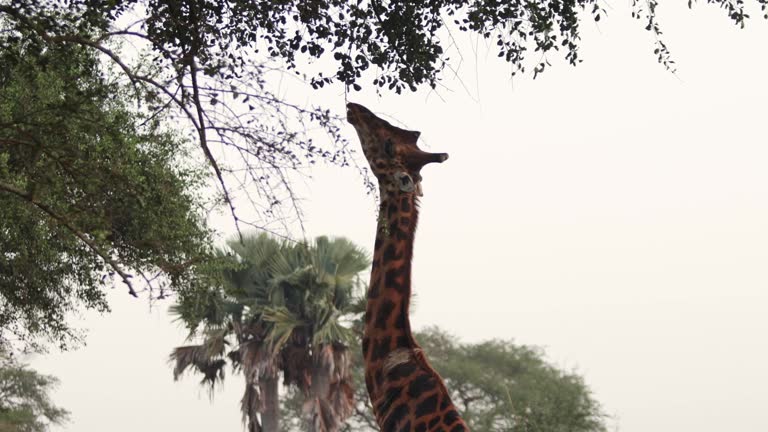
point(395, 159)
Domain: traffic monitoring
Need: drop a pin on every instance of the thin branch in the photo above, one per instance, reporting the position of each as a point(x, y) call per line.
point(109, 53)
point(204, 144)
point(79, 234)
point(190, 92)
point(198, 123)
point(12, 141)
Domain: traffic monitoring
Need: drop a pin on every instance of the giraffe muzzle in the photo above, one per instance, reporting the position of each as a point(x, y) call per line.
point(355, 111)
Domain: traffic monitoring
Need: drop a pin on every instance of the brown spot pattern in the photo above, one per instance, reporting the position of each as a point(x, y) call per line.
point(406, 393)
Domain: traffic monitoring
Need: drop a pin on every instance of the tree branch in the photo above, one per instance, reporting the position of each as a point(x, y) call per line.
point(76, 232)
point(12, 141)
point(204, 143)
point(199, 122)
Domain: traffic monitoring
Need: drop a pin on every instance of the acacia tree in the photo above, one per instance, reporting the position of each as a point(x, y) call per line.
point(90, 191)
point(209, 62)
point(279, 311)
point(207, 66)
point(194, 67)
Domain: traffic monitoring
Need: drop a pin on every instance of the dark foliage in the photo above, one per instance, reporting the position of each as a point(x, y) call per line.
point(89, 190)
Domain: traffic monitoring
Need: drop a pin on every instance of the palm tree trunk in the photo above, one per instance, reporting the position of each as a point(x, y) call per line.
point(270, 391)
point(319, 418)
point(330, 399)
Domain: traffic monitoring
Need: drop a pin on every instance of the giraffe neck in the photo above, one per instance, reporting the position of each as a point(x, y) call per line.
point(406, 393)
point(387, 325)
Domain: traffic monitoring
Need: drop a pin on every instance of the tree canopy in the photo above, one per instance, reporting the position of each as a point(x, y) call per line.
point(213, 64)
point(407, 42)
point(91, 191)
point(84, 152)
point(279, 308)
point(24, 402)
point(497, 385)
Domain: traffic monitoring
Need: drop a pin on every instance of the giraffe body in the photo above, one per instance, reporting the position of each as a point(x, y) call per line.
point(407, 394)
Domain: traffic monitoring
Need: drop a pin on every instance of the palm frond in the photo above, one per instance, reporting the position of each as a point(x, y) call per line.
point(323, 360)
point(348, 258)
point(342, 360)
point(255, 249)
point(282, 324)
point(357, 305)
point(342, 399)
point(288, 259)
point(258, 360)
point(296, 366)
point(215, 341)
point(338, 257)
point(332, 331)
point(331, 398)
point(197, 356)
point(251, 402)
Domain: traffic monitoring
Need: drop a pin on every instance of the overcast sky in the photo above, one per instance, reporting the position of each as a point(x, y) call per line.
point(614, 214)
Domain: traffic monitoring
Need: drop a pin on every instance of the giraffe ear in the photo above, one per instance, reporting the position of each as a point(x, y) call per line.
point(419, 192)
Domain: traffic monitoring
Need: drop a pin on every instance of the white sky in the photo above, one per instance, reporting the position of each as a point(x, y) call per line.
point(612, 213)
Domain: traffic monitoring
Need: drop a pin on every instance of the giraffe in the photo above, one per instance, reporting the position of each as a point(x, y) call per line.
point(406, 393)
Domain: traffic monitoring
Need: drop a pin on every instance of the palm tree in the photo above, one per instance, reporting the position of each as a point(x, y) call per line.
point(278, 308)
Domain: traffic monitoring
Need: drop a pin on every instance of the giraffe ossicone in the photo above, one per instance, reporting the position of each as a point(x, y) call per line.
point(407, 394)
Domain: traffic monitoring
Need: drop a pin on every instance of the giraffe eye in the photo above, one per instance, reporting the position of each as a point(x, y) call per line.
point(389, 147)
point(405, 182)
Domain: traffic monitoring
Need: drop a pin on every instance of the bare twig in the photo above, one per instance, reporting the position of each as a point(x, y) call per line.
point(204, 144)
point(267, 150)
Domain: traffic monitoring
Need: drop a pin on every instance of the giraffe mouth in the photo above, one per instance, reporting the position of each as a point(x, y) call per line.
point(354, 111)
point(350, 116)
